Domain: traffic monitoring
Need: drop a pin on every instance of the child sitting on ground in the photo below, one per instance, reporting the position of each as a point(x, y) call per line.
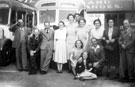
point(81, 69)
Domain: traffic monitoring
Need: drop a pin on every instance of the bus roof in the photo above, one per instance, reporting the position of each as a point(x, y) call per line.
point(71, 4)
point(17, 5)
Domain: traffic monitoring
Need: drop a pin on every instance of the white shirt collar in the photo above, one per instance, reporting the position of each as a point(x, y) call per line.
point(95, 48)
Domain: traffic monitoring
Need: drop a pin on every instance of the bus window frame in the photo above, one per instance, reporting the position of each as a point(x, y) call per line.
point(44, 9)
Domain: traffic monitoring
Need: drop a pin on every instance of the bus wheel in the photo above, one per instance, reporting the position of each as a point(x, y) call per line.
point(6, 52)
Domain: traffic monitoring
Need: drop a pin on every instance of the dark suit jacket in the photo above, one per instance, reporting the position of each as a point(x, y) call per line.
point(128, 39)
point(34, 43)
point(17, 34)
point(98, 56)
point(115, 35)
point(48, 39)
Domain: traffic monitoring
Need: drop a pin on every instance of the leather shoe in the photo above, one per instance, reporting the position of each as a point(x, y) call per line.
point(131, 80)
point(82, 79)
point(20, 70)
point(43, 72)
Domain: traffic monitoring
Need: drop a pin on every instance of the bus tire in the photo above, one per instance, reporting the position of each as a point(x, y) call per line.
point(6, 52)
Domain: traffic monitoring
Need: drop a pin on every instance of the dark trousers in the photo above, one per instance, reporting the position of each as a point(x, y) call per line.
point(112, 63)
point(126, 64)
point(21, 56)
point(33, 62)
point(98, 70)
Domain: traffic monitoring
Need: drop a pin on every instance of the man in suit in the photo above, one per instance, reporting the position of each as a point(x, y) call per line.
point(111, 37)
point(19, 43)
point(33, 45)
point(96, 57)
point(127, 44)
point(47, 47)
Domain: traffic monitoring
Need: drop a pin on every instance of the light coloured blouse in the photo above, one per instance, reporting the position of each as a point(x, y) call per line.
point(97, 33)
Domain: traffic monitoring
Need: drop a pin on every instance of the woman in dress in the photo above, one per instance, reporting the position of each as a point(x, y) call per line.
point(75, 54)
point(83, 32)
point(111, 37)
point(60, 46)
point(98, 31)
point(71, 36)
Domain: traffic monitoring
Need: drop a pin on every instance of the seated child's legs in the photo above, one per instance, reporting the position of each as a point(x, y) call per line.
point(88, 75)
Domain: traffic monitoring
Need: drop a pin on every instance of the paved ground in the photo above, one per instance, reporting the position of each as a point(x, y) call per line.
point(10, 77)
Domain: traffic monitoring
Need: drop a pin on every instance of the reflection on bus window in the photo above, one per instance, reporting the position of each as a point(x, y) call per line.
point(35, 19)
point(48, 15)
point(29, 21)
point(63, 13)
point(4, 15)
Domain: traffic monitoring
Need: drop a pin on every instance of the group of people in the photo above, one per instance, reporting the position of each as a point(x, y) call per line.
point(89, 52)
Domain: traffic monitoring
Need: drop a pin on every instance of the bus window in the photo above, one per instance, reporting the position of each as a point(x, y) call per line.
point(35, 19)
point(29, 20)
point(63, 14)
point(13, 17)
point(4, 15)
point(21, 15)
point(47, 15)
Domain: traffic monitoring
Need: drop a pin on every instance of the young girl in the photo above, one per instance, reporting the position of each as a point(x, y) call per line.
point(81, 68)
point(75, 54)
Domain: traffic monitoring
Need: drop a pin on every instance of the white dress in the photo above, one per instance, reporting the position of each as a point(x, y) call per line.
point(60, 46)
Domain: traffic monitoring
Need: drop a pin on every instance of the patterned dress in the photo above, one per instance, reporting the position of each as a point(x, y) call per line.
point(71, 38)
point(83, 34)
point(76, 55)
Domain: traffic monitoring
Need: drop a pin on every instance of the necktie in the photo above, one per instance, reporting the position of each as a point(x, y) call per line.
point(47, 31)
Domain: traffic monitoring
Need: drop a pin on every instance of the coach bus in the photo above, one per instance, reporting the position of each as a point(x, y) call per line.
point(10, 12)
point(56, 10)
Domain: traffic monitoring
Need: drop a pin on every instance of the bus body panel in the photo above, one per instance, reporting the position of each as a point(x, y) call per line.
point(56, 10)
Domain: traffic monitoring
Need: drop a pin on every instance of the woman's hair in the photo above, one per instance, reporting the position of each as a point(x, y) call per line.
point(70, 15)
point(62, 22)
point(76, 14)
point(93, 39)
point(83, 53)
point(81, 19)
point(110, 19)
point(80, 42)
point(46, 22)
point(97, 20)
